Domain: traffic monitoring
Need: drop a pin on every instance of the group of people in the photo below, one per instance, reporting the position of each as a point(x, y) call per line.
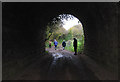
point(64, 45)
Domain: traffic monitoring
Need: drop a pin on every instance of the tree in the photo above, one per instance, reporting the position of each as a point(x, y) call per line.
point(50, 29)
point(55, 24)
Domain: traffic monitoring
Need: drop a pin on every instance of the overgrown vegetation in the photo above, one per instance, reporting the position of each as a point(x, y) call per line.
point(56, 31)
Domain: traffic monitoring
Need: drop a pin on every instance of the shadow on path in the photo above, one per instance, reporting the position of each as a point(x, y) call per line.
point(57, 65)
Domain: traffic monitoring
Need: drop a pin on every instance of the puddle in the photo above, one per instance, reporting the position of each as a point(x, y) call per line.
point(57, 55)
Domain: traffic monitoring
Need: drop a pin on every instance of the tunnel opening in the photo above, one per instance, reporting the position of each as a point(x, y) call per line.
point(64, 28)
point(23, 36)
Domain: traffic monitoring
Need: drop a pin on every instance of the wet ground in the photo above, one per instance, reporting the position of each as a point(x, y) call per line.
point(57, 65)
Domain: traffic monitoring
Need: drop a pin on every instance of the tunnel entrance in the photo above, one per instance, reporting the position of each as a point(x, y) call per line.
point(64, 28)
point(23, 41)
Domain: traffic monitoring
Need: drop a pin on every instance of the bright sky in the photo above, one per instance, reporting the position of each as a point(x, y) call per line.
point(70, 23)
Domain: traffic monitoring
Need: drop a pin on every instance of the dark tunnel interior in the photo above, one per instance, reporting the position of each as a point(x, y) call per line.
point(24, 26)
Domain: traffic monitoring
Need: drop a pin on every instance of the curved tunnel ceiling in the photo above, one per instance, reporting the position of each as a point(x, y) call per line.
point(24, 24)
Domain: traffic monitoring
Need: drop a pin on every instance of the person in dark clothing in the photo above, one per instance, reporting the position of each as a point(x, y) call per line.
point(75, 45)
point(63, 44)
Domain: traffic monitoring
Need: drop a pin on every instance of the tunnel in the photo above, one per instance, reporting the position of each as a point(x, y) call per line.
point(24, 26)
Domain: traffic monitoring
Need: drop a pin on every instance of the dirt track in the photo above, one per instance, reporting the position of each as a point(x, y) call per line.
point(57, 65)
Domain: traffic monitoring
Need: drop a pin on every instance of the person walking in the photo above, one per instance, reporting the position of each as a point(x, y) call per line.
point(49, 44)
point(75, 45)
point(63, 44)
point(55, 44)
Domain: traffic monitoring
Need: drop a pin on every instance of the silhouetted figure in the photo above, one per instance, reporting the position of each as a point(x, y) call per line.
point(49, 44)
point(75, 45)
point(55, 43)
point(63, 44)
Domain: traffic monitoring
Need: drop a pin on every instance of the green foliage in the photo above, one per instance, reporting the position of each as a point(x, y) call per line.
point(80, 45)
point(69, 45)
point(51, 28)
point(55, 31)
point(47, 44)
point(46, 52)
